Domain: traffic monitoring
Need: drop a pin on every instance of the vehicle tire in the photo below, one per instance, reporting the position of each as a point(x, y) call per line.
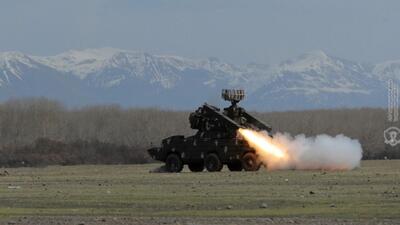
point(213, 163)
point(250, 162)
point(235, 166)
point(196, 167)
point(173, 163)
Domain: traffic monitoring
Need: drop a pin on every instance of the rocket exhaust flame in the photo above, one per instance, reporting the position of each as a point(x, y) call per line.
point(321, 152)
point(262, 143)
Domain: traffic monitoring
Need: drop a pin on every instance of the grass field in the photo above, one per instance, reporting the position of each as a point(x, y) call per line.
point(372, 191)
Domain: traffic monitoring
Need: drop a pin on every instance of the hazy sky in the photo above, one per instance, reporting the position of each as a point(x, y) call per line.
point(234, 31)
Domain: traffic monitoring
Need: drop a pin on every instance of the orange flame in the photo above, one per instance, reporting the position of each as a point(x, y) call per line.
point(262, 143)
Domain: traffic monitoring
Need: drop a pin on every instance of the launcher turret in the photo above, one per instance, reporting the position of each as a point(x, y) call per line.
point(211, 118)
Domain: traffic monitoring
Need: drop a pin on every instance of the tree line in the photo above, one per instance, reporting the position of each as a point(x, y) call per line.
point(38, 131)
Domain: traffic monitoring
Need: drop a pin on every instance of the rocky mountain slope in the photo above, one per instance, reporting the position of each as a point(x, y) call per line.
point(131, 78)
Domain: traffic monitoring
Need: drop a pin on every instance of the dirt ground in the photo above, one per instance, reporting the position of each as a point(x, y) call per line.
point(130, 194)
point(71, 220)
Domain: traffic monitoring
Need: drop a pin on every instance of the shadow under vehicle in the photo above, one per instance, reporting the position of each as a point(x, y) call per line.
point(216, 143)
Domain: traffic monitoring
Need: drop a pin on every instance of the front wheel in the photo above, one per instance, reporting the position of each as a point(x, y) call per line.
point(250, 162)
point(213, 163)
point(173, 163)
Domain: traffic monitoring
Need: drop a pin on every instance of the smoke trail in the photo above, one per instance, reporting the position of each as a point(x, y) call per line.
point(319, 152)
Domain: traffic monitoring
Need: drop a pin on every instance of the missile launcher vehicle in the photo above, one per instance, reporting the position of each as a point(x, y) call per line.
point(216, 142)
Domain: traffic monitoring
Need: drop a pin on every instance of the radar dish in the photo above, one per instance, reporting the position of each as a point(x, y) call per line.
point(232, 95)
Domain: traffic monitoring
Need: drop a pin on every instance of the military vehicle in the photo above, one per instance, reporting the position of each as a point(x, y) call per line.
point(216, 142)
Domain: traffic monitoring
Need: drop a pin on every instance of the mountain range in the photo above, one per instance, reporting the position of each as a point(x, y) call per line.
point(138, 79)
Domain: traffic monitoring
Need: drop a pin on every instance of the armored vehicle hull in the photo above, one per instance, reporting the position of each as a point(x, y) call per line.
point(199, 153)
point(216, 142)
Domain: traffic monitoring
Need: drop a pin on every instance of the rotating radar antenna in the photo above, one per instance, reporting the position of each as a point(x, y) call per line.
point(232, 95)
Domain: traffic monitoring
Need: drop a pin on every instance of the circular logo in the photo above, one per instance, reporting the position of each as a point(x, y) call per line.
point(392, 136)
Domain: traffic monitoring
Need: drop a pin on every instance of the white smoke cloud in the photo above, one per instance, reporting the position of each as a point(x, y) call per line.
point(319, 152)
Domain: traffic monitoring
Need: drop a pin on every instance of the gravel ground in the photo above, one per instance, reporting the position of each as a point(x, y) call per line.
point(76, 220)
point(129, 194)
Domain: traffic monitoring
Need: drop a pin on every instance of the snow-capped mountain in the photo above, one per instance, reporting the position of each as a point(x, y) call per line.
point(132, 78)
point(12, 65)
point(317, 80)
point(111, 66)
point(387, 70)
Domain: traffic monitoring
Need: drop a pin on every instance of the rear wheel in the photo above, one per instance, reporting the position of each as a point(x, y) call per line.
point(250, 162)
point(235, 166)
point(196, 167)
point(213, 163)
point(173, 163)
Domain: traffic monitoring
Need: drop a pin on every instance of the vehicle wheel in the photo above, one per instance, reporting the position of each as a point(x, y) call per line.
point(173, 163)
point(213, 163)
point(196, 167)
point(250, 162)
point(235, 166)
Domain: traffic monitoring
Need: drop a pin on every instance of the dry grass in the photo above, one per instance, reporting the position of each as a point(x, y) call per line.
point(371, 191)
